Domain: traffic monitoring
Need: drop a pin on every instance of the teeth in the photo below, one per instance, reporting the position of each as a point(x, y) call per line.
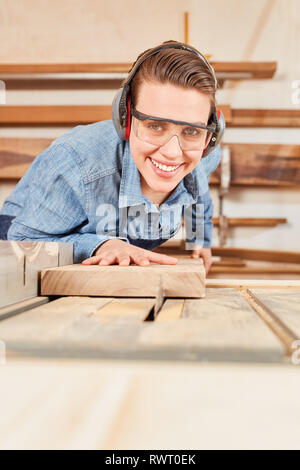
point(164, 167)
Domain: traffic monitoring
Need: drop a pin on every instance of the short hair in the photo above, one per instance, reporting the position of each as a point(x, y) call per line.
point(178, 67)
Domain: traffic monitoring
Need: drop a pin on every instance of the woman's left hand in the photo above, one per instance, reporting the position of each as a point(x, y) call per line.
point(205, 254)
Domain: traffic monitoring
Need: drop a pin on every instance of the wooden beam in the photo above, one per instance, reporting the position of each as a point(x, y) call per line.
point(259, 255)
point(250, 69)
point(244, 70)
point(275, 165)
point(251, 222)
point(63, 114)
point(243, 253)
point(186, 279)
point(265, 118)
point(53, 115)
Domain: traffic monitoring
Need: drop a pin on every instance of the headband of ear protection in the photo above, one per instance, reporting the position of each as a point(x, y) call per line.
point(121, 102)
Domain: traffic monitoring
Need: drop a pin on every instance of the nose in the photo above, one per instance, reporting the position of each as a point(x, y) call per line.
point(171, 149)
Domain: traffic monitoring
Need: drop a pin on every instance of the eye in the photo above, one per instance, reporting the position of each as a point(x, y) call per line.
point(191, 131)
point(154, 126)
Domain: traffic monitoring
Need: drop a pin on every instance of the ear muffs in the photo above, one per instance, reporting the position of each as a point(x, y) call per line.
point(121, 115)
point(218, 119)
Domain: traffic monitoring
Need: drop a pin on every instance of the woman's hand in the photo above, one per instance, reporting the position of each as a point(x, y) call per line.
point(205, 254)
point(117, 251)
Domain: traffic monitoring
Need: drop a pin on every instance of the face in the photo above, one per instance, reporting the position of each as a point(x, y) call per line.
point(170, 102)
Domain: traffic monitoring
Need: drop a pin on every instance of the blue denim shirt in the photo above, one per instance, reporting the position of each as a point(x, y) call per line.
point(83, 187)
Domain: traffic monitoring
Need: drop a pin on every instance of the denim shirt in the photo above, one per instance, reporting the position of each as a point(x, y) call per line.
point(85, 188)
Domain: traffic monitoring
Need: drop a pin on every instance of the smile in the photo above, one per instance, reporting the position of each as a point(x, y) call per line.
point(165, 171)
point(165, 167)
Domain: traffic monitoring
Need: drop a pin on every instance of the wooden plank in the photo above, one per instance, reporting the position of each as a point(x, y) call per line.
point(170, 311)
point(79, 327)
point(227, 330)
point(64, 115)
point(127, 311)
point(285, 304)
point(244, 253)
point(244, 70)
point(253, 283)
point(257, 70)
point(186, 279)
point(118, 67)
point(53, 321)
point(250, 222)
point(265, 118)
point(262, 164)
point(259, 255)
point(19, 307)
point(274, 268)
point(221, 325)
point(53, 115)
point(47, 82)
point(228, 261)
point(21, 263)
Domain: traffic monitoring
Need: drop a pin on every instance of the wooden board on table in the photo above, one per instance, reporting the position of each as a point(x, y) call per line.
point(21, 263)
point(285, 304)
point(185, 279)
point(220, 327)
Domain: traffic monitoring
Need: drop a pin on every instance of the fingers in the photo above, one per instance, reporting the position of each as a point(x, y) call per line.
point(141, 260)
point(196, 252)
point(139, 256)
point(124, 260)
point(205, 254)
point(162, 259)
point(91, 260)
point(103, 260)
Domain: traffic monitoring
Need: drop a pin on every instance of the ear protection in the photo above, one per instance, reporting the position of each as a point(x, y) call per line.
point(121, 103)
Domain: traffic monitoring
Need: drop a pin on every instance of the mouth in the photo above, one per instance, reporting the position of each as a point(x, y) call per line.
point(164, 170)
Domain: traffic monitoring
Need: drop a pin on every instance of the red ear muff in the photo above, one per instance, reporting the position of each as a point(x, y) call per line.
point(208, 140)
point(127, 130)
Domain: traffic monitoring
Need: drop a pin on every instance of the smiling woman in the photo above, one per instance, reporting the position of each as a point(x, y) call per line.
point(118, 190)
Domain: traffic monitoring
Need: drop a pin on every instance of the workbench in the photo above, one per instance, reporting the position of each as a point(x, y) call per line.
point(221, 371)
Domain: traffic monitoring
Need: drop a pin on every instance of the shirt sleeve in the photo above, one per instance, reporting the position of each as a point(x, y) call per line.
point(55, 206)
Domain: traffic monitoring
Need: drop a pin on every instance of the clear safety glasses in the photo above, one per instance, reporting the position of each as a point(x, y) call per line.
point(158, 131)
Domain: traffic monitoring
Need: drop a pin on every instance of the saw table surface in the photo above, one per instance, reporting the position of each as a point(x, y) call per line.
point(90, 371)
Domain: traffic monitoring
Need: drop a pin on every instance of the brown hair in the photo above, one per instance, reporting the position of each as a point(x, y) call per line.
point(176, 66)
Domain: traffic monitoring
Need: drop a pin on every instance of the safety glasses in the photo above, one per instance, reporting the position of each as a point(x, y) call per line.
point(158, 131)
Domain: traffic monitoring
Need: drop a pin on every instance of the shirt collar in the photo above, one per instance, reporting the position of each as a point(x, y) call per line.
point(186, 193)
